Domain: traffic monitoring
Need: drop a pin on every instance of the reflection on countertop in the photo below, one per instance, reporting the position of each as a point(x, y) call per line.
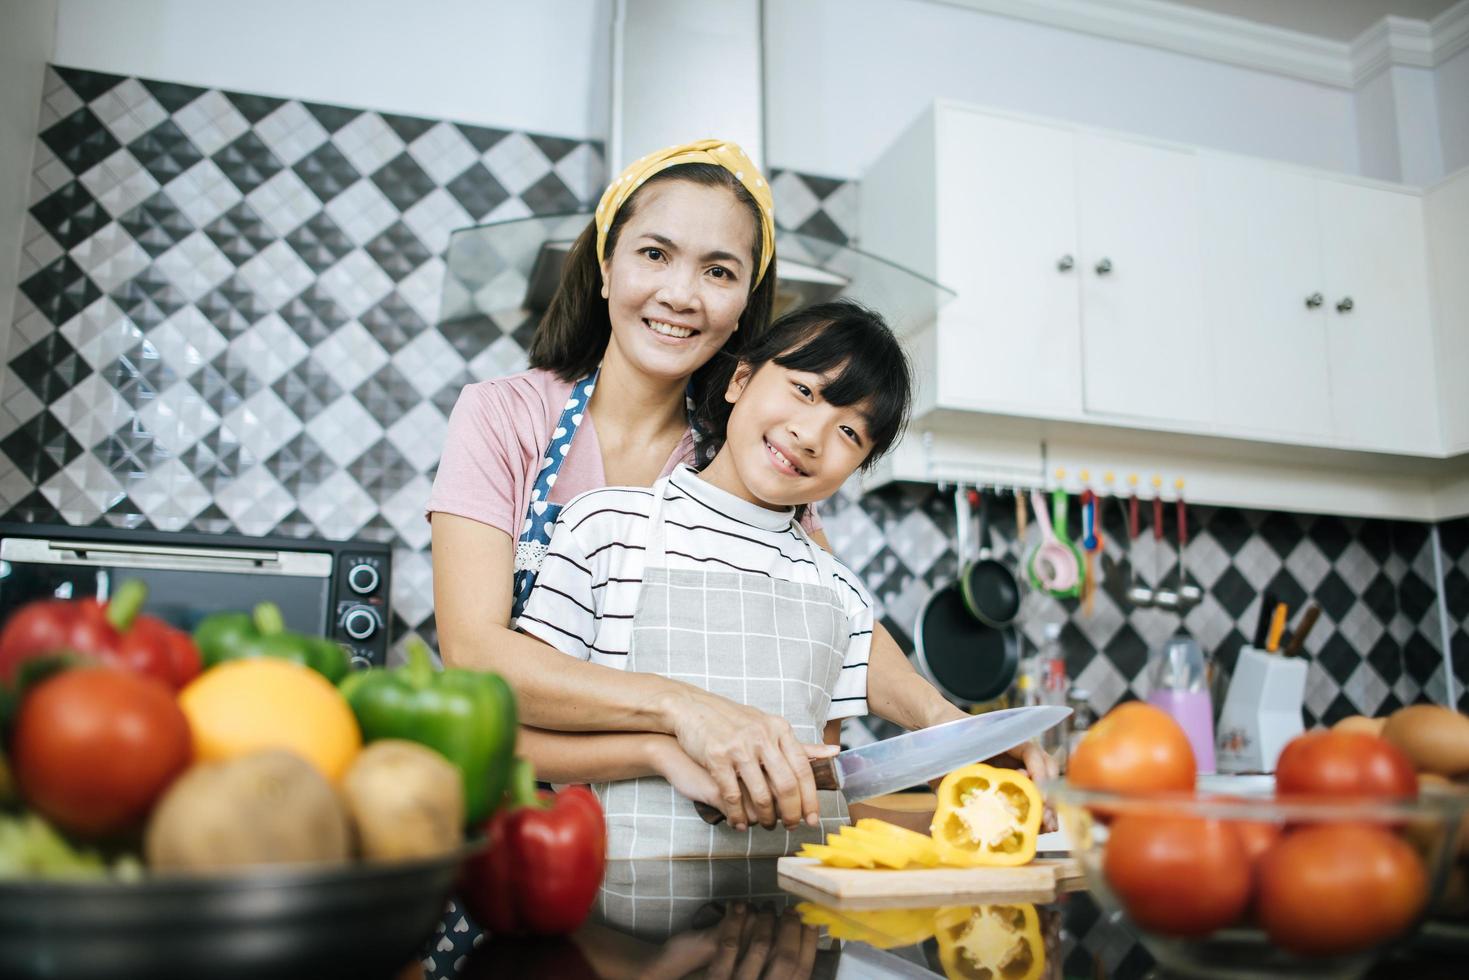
point(730, 918)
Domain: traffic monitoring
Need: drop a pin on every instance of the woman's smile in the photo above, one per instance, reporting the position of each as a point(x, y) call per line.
point(669, 331)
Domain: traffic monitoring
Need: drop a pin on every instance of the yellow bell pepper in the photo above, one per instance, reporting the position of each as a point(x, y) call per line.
point(990, 941)
point(987, 816)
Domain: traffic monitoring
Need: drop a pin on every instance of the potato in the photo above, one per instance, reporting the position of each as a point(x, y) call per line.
point(1435, 738)
point(406, 801)
point(1358, 723)
point(269, 807)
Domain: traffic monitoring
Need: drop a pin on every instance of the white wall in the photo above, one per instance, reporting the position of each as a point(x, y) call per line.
point(1452, 80)
point(540, 66)
point(845, 77)
point(1377, 128)
point(27, 33)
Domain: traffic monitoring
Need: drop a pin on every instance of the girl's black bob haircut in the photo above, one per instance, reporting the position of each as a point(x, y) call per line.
point(849, 345)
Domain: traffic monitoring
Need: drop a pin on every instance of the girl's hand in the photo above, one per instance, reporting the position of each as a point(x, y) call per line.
point(742, 746)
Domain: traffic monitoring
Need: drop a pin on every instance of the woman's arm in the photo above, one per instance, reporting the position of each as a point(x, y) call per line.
point(899, 694)
point(473, 576)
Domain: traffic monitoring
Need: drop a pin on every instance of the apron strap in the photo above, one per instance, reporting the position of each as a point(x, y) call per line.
point(653, 553)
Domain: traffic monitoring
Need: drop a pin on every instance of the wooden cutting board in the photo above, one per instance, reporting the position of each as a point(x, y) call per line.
point(1039, 880)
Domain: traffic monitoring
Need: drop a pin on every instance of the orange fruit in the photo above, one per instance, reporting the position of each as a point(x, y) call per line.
point(243, 706)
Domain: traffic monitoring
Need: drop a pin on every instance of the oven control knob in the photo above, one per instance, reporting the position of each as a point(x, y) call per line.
point(363, 579)
point(359, 623)
point(359, 662)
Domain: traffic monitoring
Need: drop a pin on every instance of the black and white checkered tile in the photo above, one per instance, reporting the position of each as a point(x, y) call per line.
point(1454, 538)
point(1376, 646)
point(226, 310)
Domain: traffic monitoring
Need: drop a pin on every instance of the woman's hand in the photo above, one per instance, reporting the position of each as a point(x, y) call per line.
point(740, 746)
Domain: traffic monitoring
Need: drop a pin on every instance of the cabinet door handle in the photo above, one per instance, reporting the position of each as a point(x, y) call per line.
point(1064, 263)
point(1314, 300)
point(1345, 306)
point(1104, 267)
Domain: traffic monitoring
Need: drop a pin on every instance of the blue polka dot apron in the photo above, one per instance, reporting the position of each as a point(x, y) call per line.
point(535, 530)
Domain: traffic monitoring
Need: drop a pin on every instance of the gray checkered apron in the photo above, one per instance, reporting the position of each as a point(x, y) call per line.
point(765, 642)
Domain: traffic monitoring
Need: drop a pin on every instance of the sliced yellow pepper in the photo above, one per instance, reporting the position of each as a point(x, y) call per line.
point(837, 857)
point(990, 941)
point(921, 846)
point(986, 816)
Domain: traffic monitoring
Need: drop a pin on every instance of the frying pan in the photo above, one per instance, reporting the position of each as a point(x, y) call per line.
point(991, 591)
point(968, 661)
point(360, 920)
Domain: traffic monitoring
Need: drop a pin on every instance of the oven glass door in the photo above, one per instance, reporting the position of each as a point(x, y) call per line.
point(184, 584)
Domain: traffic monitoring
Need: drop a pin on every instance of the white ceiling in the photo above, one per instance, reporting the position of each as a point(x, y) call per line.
point(1336, 20)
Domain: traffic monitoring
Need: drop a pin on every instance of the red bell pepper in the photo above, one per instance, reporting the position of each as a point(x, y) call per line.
point(112, 633)
point(543, 865)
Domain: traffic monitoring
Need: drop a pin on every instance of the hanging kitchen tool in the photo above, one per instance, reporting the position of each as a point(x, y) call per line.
point(1189, 595)
point(1138, 594)
point(1054, 565)
point(1022, 514)
point(968, 661)
point(1089, 539)
point(1162, 598)
point(990, 588)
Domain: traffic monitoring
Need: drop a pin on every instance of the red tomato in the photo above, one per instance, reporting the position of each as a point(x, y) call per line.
point(1256, 838)
point(1179, 876)
point(1339, 888)
point(95, 746)
point(1344, 764)
point(1136, 748)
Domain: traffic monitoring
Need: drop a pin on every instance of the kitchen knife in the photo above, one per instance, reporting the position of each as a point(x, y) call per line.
point(916, 757)
point(1303, 630)
point(1262, 627)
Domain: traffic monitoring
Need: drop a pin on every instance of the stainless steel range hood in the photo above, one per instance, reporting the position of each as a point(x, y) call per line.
point(509, 270)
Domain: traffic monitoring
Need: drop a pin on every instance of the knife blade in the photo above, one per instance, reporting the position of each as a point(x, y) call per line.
point(918, 756)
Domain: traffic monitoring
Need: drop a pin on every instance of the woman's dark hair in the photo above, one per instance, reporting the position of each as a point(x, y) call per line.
point(844, 341)
point(572, 336)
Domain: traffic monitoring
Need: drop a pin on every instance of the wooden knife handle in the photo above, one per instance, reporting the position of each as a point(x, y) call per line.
point(822, 770)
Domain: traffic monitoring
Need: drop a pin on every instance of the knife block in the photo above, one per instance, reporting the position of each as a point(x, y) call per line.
point(1262, 711)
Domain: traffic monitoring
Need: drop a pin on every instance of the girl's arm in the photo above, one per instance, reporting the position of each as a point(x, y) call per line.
point(473, 574)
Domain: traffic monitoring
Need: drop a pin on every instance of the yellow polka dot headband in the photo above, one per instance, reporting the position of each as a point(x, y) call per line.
point(719, 152)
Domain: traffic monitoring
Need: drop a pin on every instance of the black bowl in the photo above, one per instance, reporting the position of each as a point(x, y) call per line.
point(366, 919)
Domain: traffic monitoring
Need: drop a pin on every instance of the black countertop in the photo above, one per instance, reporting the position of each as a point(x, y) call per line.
point(730, 918)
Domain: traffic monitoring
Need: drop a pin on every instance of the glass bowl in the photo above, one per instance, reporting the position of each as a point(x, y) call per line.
point(1332, 884)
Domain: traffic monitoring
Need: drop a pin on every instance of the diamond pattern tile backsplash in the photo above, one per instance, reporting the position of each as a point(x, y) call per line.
point(230, 320)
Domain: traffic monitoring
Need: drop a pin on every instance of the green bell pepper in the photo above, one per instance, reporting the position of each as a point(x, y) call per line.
point(468, 716)
point(236, 635)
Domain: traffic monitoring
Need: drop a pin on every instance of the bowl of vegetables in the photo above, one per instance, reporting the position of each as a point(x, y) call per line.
point(227, 808)
point(1318, 875)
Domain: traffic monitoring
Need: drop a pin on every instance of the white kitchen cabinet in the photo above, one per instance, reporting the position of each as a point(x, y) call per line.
point(1379, 328)
point(1141, 299)
point(1446, 212)
point(1006, 241)
point(1264, 309)
point(1132, 288)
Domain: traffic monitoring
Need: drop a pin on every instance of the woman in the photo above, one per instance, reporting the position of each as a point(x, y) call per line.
point(676, 267)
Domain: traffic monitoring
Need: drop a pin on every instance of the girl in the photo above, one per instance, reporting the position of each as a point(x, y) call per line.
point(709, 578)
